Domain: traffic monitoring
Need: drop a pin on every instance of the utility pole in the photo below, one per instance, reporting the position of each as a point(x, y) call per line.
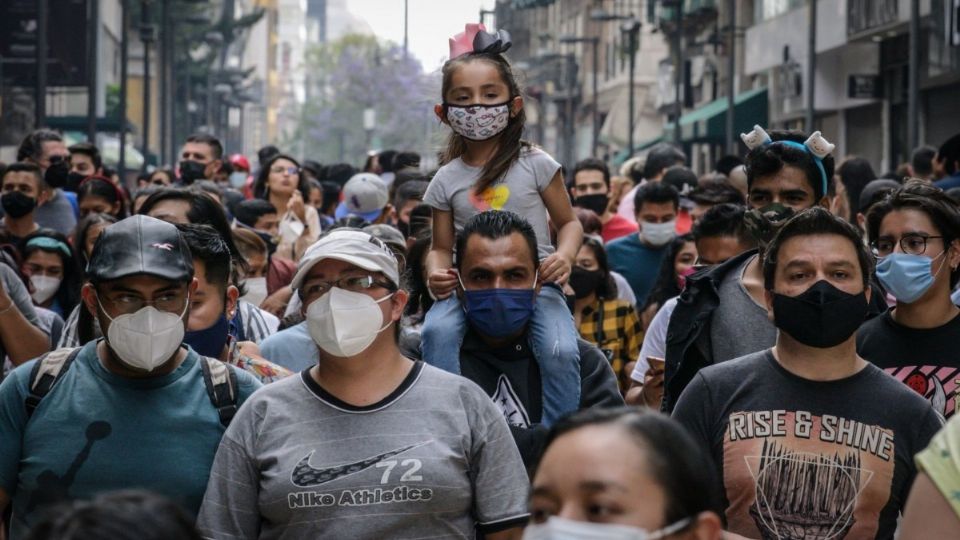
point(678, 74)
point(406, 16)
point(93, 24)
point(594, 42)
point(811, 66)
point(146, 37)
point(632, 29)
point(164, 66)
point(913, 85)
point(731, 145)
point(124, 57)
point(40, 91)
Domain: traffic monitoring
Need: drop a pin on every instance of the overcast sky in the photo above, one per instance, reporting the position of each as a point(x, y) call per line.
point(431, 23)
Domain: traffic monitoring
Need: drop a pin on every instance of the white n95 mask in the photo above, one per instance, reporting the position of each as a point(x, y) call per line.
point(146, 339)
point(44, 287)
point(344, 323)
point(256, 290)
point(556, 528)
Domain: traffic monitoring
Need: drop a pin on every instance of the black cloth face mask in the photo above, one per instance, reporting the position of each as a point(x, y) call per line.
point(17, 204)
point(822, 316)
point(191, 171)
point(57, 173)
point(596, 202)
point(584, 282)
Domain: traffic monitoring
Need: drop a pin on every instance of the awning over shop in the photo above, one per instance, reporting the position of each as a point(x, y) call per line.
point(707, 124)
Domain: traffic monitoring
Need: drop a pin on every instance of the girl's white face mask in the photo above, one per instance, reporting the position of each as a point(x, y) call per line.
point(344, 323)
point(256, 290)
point(44, 287)
point(556, 528)
point(478, 122)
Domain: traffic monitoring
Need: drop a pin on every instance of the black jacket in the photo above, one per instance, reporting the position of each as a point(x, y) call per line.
point(487, 366)
point(688, 336)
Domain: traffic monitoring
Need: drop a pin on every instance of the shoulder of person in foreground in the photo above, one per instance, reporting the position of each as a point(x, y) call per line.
point(247, 384)
point(598, 382)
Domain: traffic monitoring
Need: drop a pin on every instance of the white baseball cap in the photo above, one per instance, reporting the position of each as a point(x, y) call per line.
point(351, 246)
point(364, 195)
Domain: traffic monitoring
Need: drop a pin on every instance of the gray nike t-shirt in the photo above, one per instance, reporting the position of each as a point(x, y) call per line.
point(434, 459)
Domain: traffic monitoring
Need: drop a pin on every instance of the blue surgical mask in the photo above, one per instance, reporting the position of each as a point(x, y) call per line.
point(499, 313)
point(209, 341)
point(907, 277)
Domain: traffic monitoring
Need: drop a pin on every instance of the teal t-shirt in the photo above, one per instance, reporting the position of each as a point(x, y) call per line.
point(636, 262)
point(97, 431)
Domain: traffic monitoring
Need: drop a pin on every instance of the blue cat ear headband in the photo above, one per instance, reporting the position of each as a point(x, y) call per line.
point(815, 145)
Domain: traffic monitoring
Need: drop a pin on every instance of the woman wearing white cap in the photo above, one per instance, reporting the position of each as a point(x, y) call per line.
point(365, 441)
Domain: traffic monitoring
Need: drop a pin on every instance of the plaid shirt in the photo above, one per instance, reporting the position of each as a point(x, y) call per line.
point(614, 327)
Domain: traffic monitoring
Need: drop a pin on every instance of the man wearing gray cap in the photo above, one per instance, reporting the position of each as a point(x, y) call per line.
point(133, 410)
point(366, 443)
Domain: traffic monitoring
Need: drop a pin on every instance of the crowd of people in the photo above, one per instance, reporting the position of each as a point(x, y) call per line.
point(503, 347)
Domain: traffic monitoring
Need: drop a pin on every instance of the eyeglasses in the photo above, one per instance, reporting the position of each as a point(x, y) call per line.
point(280, 169)
point(125, 303)
point(910, 243)
point(358, 284)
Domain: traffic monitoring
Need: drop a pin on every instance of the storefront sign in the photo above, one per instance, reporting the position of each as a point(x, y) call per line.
point(864, 87)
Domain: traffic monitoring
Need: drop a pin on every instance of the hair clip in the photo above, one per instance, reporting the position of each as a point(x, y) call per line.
point(819, 146)
point(476, 39)
point(757, 137)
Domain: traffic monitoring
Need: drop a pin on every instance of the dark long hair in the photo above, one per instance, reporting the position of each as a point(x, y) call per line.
point(666, 286)
point(681, 467)
point(68, 295)
point(510, 144)
point(105, 189)
point(80, 236)
point(607, 290)
point(260, 189)
point(420, 301)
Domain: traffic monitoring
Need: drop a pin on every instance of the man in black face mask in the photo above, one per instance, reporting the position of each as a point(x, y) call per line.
point(590, 189)
point(200, 158)
point(806, 436)
point(58, 210)
point(721, 315)
point(20, 186)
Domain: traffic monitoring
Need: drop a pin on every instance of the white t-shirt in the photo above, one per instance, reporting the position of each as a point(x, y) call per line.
point(655, 339)
point(519, 191)
point(624, 292)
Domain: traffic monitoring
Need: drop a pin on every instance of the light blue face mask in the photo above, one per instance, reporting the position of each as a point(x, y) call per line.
point(907, 277)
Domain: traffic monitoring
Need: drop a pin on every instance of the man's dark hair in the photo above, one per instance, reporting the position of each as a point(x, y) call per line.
point(24, 166)
point(948, 153)
point(250, 211)
point(264, 154)
point(875, 192)
point(118, 515)
point(494, 225)
point(679, 466)
point(210, 140)
point(314, 167)
point(385, 159)
point(591, 164)
point(31, 147)
point(769, 159)
point(655, 192)
point(921, 160)
point(208, 246)
point(203, 211)
point(724, 220)
point(339, 173)
point(408, 191)
point(207, 186)
point(816, 221)
point(680, 177)
point(921, 196)
point(89, 150)
point(662, 156)
point(727, 163)
point(405, 160)
point(712, 193)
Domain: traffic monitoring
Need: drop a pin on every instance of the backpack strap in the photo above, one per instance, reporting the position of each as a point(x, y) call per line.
point(45, 373)
point(221, 383)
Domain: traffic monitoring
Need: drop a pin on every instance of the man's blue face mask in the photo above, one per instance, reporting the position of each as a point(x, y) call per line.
point(499, 313)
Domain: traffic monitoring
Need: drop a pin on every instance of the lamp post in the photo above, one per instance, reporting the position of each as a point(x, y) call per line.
point(594, 42)
point(731, 66)
point(124, 53)
point(630, 28)
point(811, 66)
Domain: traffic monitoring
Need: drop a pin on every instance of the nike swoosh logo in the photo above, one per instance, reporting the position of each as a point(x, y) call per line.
point(306, 476)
